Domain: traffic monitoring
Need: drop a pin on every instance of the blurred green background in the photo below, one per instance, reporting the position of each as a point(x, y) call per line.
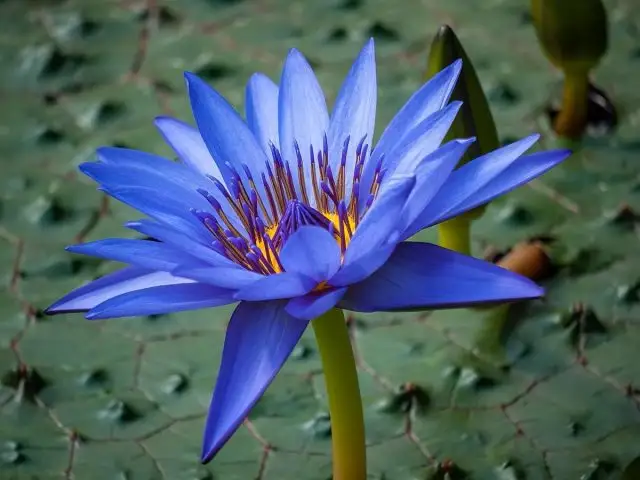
point(553, 394)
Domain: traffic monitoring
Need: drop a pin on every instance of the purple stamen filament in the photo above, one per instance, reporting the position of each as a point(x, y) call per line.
point(270, 218)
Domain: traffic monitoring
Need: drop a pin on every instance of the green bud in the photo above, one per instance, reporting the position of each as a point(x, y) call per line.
point(474, 119)
point(573, 33)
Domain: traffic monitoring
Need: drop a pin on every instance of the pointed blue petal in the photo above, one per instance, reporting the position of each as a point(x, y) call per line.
point(181, 241)
point(143, 253)
point(262, 110)
point(260, 338)
point(362, 267)
point(160, 300)
point(302, 113)
point(520, 172)
point(188, 145)
point(381, 222)
point(126, 280)
point(422, 275)
point(313, 305)
point(226, 135)
point(354, 113)
point(430, 98)
point(468, 179)
point(422, 140)
point(162, 208)
point(431, 174)
point(312, 252)
point(225, 277)
point(273, 287)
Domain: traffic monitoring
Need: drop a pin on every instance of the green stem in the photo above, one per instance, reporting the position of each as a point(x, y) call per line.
point(572, 119)
point(455, 234)
point(345, 403)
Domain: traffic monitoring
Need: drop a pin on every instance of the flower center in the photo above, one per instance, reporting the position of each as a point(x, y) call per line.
point(265, 221)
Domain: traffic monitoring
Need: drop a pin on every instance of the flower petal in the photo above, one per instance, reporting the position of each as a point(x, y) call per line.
point(422, 275)
point(126, 280)
point(143, 253)
point(278, 286)
point(302, 113)
point(430, 98)
point(262, 110)
point(311, 251)
point(162, 299)
point(422, 140)
point(362, 267)
point(225, 277)
point(260, 338)
point(354, 113)
point(382, 219)
point(227, 137)
point(468, 179)
point(188, 145)
point(180, 240)
point(520, 172)
point(161, 207)
point(431, 175)
point(313, 305)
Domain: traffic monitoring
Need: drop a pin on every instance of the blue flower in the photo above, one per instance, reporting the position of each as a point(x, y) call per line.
point(293, 212)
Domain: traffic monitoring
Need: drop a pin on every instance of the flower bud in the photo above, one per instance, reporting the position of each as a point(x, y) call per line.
point(474, 119)
point(573, 33)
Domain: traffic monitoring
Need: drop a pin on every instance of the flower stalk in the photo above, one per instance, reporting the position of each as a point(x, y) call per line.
point(343, 391)
point(572, 118)
point(455, 234)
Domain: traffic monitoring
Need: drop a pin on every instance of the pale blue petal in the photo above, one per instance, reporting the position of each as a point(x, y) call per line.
point(234, 278)
point(354, 113)
point(143, 253)
point(179, 240)
point(161, 300)
point(422, 275)
point(312, 252)
point(188, 145)
point(259, 339)
point(468, 179)
point(278, 286)
point(430, 98)
point(519, 173)
point(314, 304)
point(422, 140)
point(123, 281)
point(162, 208)
point(226, 135)
point(302, 113)
point(262, 111)
point(382, 221)
point(431, 174)
point(362, 267)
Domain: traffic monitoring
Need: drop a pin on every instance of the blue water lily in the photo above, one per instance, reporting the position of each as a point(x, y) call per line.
point(292, 212)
